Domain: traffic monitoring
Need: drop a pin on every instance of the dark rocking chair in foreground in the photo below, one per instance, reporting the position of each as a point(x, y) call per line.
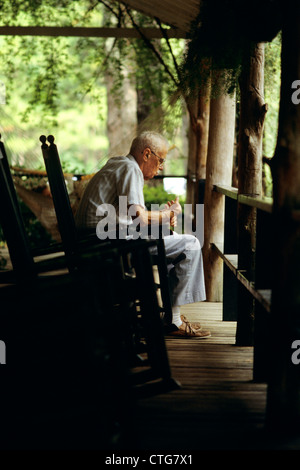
point(66, 383)
point(69, 384)
point(132, 298)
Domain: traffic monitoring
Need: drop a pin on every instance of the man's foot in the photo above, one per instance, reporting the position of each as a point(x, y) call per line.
point(196, 325)
point(185, 330)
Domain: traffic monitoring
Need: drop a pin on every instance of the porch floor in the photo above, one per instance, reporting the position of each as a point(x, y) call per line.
point(219, 406)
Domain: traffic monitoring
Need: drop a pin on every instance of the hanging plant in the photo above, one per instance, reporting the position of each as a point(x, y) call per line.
point(221, 34)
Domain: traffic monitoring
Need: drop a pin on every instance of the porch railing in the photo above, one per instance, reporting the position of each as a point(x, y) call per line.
point(247, 295)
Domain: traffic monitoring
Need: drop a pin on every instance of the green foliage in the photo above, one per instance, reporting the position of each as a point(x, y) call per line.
point(38, 237)
point(220, 40)
point(176, 166)
point(54, 83)
point(272, 98)
point(272, 93)
point(44, 75)
point(149, 64)
point(43, 97)
point(158, 195)
point(50, 73)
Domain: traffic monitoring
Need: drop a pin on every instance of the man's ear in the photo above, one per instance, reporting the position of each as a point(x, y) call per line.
point(145, 156)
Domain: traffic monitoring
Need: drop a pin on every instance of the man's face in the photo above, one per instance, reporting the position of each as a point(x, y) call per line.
point(154, 162)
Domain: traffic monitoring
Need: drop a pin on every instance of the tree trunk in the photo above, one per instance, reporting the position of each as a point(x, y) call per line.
point(121, 116)
point(218, 171)
point(252, 115)
point(149, 98)
point(283, 399)
point(198, 144)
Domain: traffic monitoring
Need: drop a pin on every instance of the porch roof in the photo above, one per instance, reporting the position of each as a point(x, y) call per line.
point(175, 13)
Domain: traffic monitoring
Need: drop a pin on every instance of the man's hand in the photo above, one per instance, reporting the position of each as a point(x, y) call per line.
point(174, 206)
point(173, 221)
point(167, 216)
point(175, 209)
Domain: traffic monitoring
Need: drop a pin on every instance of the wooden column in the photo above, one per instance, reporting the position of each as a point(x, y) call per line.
point(283, 399)
point(218, 171)
point(198, 142)
point(252, 115)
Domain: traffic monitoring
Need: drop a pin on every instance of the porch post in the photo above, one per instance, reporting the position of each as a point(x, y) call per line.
point(252, 115)
point(283, 398)
point(218, 171)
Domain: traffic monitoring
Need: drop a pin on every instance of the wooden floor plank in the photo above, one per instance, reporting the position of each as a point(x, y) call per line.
point(219, 405)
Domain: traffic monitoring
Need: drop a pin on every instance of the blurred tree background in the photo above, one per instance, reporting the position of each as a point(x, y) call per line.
point(63, 85)
point(272, 97)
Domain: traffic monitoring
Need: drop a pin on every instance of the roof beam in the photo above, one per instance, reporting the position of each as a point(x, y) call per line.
point(151, 33)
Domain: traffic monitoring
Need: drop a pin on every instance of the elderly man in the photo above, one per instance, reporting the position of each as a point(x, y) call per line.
point(123, 177)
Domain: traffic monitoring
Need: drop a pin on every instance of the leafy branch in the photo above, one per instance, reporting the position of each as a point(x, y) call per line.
point(152, 48)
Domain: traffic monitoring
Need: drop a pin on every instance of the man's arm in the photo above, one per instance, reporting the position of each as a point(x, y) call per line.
point(166, 216)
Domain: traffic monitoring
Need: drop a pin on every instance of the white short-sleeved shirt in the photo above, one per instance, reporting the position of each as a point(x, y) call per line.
point(120, 176)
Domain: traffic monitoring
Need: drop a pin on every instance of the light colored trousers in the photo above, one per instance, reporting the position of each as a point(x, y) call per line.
point(185, 264)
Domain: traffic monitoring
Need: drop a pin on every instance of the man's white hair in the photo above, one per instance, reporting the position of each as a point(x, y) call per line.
point(151, 139)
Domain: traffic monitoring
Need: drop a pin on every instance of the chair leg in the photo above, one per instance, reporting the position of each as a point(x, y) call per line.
point(152, 323)
point(164, 281)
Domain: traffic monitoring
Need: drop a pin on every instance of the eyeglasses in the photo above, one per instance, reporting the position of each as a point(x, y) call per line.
point(160, 159)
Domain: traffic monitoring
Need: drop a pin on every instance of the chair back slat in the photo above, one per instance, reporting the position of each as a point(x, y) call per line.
point(61, 200)
point(12, 222)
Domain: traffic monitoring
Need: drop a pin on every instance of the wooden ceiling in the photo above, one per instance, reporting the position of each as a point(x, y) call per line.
point(176, 13)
